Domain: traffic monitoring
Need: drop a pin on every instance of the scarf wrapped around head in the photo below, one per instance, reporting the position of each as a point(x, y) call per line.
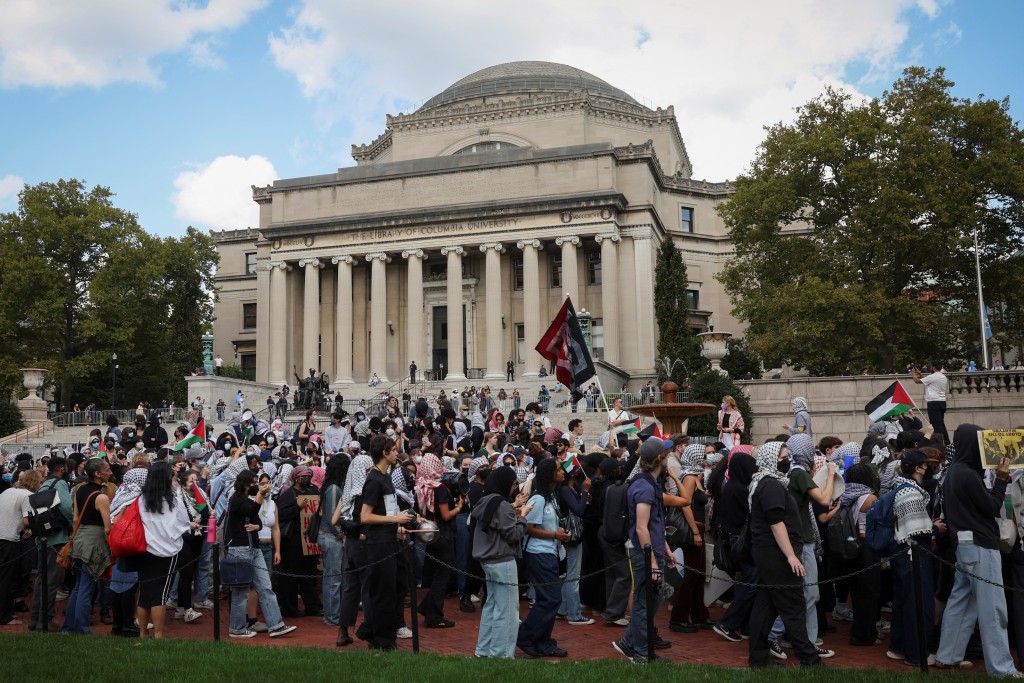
point(746, 449)
point(692, 461)
point(428, 478)
point(767, 459)
point(475, 466)
point(849, 449)
point(801, 451)
point(130, 489)
point(401, 488)
point(354, 481)
point(799, 403)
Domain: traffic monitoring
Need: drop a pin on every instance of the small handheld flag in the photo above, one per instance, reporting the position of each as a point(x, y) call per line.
point(197, 437)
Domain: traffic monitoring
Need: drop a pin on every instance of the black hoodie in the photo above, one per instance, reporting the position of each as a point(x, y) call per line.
point(968, 505)
point(735, 493)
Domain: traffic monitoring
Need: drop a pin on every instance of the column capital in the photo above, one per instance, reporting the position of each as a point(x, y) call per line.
point(283, 265)
point(410, 253)
point(378, 256)
point(311, 261)
point(496, 246)
point(571, 239)
point(536, 244)
point(342, 258)
point(615, 239)
point(452, 250)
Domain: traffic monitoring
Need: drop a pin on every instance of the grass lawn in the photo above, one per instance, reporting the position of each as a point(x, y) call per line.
point(30, 657)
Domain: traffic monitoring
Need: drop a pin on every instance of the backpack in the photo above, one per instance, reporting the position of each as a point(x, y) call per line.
point(615, 519)
point(841, 535)
point(46, 517)
point(880, 532)
point(295, 434)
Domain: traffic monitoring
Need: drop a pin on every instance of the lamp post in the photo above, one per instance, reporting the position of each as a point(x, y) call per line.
point(584, 318)
point(113, 381)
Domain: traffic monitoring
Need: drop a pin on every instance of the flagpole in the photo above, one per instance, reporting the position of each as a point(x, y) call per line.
point(608, 412)
point(981, 303)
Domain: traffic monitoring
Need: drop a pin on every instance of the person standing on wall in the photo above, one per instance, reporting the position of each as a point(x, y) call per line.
point(935, 386)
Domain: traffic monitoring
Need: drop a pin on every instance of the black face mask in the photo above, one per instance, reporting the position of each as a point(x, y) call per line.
point(929, 473)
point(253, 490)
point(465, 470)
point(784, 466)
point(482, 473)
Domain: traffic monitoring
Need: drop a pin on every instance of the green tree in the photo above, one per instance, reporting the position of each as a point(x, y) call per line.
point(853, 229)
point(708, 386)
point(672, 313)
point(741, 359)
point(10, 414)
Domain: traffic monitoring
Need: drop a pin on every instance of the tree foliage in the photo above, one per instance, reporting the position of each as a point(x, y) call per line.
point(708, 386)
point(10, 414)
point(741, 359)
point(853, 229)
point(80, 280)
point(671, 311)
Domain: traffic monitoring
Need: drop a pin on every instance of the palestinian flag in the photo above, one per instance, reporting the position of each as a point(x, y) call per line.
point(102, 453)
point(651, 430)
point(570, 463)
point(197, 493)
point(246, 436)
point(893, 401)
point(631, 428)
point(197, 437)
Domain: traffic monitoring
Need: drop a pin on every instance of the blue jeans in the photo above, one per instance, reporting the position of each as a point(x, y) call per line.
point(974, 601)
point(334, 566)
point(462, 543)
point(636, 632)
point(571, 588)
point(260, 582)
point(202, 582)
point(810, 562)
point(78, 611)
point(535, 631)
point(499, 618)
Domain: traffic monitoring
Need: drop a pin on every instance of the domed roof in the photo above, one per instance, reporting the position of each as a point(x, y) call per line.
point(525, 77)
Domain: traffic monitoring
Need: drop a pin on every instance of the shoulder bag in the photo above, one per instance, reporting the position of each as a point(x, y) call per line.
point(236, 572)
point(128, 535)
point(64, 556)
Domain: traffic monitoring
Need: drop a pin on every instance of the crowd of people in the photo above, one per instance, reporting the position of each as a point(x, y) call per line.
point(521, 510)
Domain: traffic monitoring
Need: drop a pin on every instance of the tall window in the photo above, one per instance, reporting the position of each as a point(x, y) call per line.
point(248, 363)
point(597, 337)
point(520, 343)
point(249, 316)
point(594, 268)
point(517, 273)
point(692, 299)
point(686, 218)
point(250, 263)
point(556, 270)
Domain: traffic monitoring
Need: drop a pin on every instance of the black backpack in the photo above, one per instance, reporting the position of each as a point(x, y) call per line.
point(46, 517)
point(841, 534)
point(615, 520)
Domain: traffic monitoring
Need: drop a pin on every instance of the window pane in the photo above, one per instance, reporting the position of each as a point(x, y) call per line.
point(692, 299)
point(517, 273)
point(248, 363)
point(520, 343)
point(686, 218)
point(248, 316)
point(597, 337)
point(250, 263)
point(594, 268)
point(556, 270)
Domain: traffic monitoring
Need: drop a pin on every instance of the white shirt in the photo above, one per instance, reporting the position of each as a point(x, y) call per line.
point(14, 508)
point(268, 516)
point(934, 386)
point(615, 415)
point(164, 529)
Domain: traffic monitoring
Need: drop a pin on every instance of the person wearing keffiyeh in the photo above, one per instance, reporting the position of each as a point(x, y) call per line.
point(688, 610)
point(805, 491)
point(776, 546)
point(864, 588)
point(436, 502)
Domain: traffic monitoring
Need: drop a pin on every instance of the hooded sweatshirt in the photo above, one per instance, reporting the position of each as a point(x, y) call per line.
point(970, 508)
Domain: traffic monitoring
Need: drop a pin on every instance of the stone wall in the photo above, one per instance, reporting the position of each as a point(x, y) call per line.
point(994, 399)
point(214, 388)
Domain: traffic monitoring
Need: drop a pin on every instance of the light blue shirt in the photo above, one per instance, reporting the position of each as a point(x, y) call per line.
point(544, 516)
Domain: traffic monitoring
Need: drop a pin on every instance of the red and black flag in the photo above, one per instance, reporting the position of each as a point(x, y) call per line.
point(563, 344)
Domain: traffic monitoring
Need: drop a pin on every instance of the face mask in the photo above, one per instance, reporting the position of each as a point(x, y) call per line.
point(723, 407)
point(784, 466)
point(483, 472)
point(929, 473)
point(270, 442)
point(418, 459)
point(253, 490)
point(95, 443)
point(465, 470)
point(390, 432)
point(714, 458)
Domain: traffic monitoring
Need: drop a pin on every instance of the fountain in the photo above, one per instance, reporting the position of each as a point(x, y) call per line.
point(672, 415)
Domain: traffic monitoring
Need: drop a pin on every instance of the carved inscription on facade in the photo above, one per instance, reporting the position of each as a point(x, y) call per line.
point(426, 231)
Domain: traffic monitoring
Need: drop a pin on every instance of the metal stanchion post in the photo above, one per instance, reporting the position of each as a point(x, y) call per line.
point(216, 591)
point(649, 599)
point(410, 548)
point(922, 641)
point(44, 594)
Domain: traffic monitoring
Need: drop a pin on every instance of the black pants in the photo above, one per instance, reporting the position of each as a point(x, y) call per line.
point(380, 594)
point(937, 418)
point(435, 575)
point(737, 617)
point(293, 562)
point(352, 586)
point(510, 376)
point(864, 593)
point(784, 599)
point(188, 561)
point(9, 568)
point(54, 580)
point(592, 591)
point(618, 583)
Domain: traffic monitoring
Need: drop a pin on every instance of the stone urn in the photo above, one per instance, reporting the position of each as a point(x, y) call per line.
point(715, 348)
point(33, 380)
point(668, 391)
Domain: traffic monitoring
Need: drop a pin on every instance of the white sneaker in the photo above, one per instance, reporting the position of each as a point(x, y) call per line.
point(191, 615)
point(171, 604)
point(404, 632)
point(243, 634)
point(282, 631)
point(583, 621)
point(474, 598)
point(179, 613)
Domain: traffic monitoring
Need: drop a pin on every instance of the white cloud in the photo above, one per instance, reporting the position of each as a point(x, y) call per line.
point(65, 43)
point(728, 68)
point(10, 186)
point(219, 195)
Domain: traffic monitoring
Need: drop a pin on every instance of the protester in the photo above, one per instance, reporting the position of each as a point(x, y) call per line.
point(802, 420)
point(195, 505)
point(734, 510)
point(89, 547)
point(730, 423)
point(57, 471)
point(298, 577)
point(439, 504)
point(14, 513)
point(331, 539)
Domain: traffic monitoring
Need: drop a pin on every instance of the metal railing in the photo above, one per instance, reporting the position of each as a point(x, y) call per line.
point(98, 418)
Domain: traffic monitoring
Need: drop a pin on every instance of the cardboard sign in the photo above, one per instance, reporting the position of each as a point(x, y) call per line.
point(309, 507)
point(997, 444)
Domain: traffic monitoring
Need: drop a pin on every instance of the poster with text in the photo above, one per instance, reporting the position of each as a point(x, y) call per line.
point(997, 444)
point(309, 507)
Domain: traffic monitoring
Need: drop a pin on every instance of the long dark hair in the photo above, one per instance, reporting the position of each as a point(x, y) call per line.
point(157, 490)
point(337, 470)
point(244, 480)
point(544, 479)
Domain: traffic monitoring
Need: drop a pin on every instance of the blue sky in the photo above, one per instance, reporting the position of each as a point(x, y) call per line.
point(180, 106)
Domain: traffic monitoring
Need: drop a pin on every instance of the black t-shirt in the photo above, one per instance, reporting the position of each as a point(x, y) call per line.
point(379, 493)
point(442, 496)
point(90, 515)
point(475, 493)
point(773, 504)
point(241, 511)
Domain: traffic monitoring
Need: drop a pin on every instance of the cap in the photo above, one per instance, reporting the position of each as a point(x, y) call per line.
point(654, 447)
point(518, 450)
point(914, 457)
point(609, 465)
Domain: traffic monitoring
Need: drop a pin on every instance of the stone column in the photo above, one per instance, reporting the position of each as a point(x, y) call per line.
point(570, 276)
point(531, 305)
point(492, 321)
point(646, 326)
point(610, 296)
point(456, 336)
point(279, 323)
point(263, 322)
point(414, 339)
point(343, 318)
point(311, 314)
point(378, 315)
point(627, 306)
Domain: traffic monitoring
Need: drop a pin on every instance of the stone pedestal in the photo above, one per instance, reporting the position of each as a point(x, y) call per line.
point(715, 348)
point(32, 407)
